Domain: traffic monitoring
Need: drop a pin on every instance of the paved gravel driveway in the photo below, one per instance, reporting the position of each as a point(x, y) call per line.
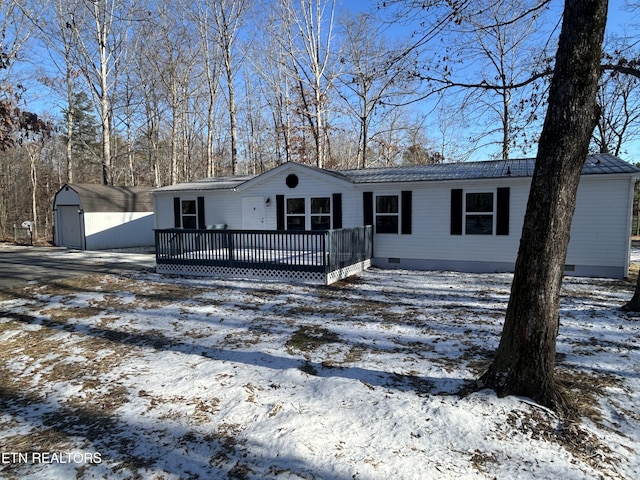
point(20, 265)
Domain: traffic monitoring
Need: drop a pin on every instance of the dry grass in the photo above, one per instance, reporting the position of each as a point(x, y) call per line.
point(101, 349)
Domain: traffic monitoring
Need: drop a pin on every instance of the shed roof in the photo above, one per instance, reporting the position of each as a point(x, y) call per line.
point(595, 164)
point(107, 198)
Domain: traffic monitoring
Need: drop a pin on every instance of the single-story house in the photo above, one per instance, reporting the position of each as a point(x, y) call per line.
point(452, 216)
point(100, 217)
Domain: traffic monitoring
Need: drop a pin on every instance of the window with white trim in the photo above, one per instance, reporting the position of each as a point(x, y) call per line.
point(308, 213)
point(189, 214)
point(387, 213)
point(295, 214)
point(479, 213)
point(320, 213)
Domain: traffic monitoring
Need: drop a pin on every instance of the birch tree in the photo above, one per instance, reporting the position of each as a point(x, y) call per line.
point(99, 31)
point(228, 16)
point(212, 71)
point(374, 77)
point(270, 61)
point(310, 44)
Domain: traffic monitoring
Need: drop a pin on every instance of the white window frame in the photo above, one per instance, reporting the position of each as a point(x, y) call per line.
point(397, 214)
point(307, 211)
point(326, 215)
point(184, 215)
point(486, 214)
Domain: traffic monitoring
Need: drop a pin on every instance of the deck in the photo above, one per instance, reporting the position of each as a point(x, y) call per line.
point(322, 257)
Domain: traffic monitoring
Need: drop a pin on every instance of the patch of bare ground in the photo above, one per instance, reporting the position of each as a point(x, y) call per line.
point(148, 295)
point(539, 424)
point(310, 338)
point(584, 389)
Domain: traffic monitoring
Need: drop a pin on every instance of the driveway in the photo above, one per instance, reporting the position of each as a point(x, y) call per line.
point(20, 265)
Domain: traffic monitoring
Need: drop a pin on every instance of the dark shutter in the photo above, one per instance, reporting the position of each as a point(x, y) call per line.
point(502, 211)
point(337, 210)
point(279, 212)
point(456, 211)
point(176, 213)
point(405, 221)
point(201, 225)
point(367, 207)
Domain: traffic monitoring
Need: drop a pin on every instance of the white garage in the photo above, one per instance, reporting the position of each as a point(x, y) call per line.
point(99, 217)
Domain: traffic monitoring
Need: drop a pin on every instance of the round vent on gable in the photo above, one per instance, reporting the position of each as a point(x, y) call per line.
point(292, 181)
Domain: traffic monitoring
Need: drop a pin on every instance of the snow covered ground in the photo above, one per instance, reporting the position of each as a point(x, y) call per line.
point(145, 376)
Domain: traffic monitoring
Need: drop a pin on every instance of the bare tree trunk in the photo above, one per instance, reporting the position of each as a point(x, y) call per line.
point(69, 139)
point(105, 104)
point(232, 115)
point(633, 305)
point(228, 15)
point(524, 362)
point(33, 157)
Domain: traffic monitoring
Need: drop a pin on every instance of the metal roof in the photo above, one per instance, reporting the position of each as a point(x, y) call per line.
point(213, 183)
point(595, 164)
point(106, 198)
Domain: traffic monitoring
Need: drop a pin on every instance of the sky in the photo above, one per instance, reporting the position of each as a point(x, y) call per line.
point(621, 21)
point(618, 23)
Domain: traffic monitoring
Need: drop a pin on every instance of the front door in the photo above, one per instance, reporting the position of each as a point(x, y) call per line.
point(253, 213)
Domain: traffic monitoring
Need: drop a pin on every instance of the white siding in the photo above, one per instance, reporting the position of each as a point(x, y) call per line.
point(431, 237)
point(600, 232)
point(118, 230)
point(311, 184)
point(599, 236)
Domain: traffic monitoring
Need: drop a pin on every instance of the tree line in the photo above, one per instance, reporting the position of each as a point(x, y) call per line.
point(152, 92)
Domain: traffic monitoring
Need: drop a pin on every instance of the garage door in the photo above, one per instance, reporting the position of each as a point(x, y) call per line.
point(69, 230)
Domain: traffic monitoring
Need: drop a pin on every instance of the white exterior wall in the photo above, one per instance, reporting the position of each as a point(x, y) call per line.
point(220, 207)
point(163, 208)
point(600, 232)
point(431, 245)
point(601, 228)
point(600, 235)
point(118, 230)
point(311, 184)
point(225, 206)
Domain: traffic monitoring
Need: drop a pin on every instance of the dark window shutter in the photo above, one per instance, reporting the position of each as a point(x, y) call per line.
point(177, 223)
point(502, 211)
point(279, 212)
point(201, 225)
point(367, 207)
point(405, 221)
point(456, 211)
point(337, 210)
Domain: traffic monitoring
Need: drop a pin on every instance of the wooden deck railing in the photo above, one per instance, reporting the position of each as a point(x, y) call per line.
point(306, 251)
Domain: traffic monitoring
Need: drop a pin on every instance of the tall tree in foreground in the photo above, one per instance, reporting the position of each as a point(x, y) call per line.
point(524, 362)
